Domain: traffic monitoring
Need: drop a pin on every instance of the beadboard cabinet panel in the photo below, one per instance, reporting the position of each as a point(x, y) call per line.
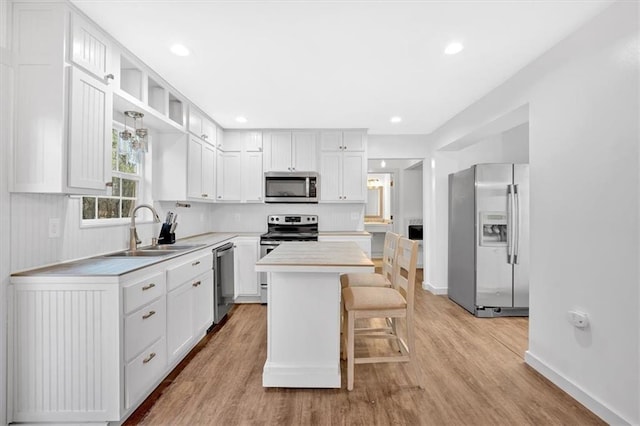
point(69, 341)
point(90, 113)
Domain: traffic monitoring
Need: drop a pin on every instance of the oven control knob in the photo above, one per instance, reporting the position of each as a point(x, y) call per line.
point(277, 219)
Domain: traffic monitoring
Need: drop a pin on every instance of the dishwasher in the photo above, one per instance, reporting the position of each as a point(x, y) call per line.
point(223, 281)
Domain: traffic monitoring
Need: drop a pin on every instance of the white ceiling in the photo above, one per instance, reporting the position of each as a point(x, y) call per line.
point(338, 64)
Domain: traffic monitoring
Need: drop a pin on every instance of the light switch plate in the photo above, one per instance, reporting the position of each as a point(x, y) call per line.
point(54, 227)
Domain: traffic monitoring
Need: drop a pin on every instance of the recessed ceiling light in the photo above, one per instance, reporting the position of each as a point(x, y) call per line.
point(383, 164)
point(396, 119)
point(453, 48)
point(179, 50)
point(241, 119)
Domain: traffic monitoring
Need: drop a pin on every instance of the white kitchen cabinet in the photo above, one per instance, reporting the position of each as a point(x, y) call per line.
point(90, 112)
point(183, 168)
point(202, 127)
point(229, 176)
point(247, 284)
point(239, 168)
point(288, 151)
point(200, 170)
point(189, 312)
point(343, 176)
point(347, 140)
point(62, 137)
point(91, 49)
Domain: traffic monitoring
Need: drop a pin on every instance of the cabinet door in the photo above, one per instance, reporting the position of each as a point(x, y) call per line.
point(229, 186)
point(234, 141)
point(304, 151)
point(331, 176)
point(194, 169)
point(195, 123)
point(252, 178)
point(202, 302)
point(354, 176)
point(253, 142)
point(90, 113)
point(331, 141)
point(208, 167)
point(179, 320)
point(245, 258)
point(353, 140)
point(209, 131)
point(90, 49)
point(279, 157)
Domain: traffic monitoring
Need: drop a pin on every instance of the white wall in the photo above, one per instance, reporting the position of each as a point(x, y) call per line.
point(584, 165)
point(397, 146)
point(253, 217)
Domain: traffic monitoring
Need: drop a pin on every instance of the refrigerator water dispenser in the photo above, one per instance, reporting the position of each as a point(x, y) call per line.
point(493, 229)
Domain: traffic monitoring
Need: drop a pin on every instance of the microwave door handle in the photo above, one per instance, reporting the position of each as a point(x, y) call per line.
point(307, 187)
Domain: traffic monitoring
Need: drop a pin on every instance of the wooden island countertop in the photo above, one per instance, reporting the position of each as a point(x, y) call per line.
point(310, 256)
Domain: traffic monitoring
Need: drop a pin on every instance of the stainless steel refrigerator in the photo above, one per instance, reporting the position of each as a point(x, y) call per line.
point(489, 239)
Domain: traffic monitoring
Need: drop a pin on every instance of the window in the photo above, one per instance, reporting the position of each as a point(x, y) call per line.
point(127, 171)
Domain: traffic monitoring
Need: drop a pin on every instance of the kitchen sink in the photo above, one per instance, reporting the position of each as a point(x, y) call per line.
point(155, 251)
point(148, 253)
point(170, 247)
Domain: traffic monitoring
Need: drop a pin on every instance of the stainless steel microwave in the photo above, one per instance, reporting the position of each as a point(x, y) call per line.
point(291, 187)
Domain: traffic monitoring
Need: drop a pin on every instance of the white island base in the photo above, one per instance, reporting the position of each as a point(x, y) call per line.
point(303, 312)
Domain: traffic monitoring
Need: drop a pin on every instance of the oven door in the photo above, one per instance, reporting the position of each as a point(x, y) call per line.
point(265, 249)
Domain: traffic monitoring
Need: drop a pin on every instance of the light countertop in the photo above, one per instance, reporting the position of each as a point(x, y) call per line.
point(104, 266)
point(315, 256)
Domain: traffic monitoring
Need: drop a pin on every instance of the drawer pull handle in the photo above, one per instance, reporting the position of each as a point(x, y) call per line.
point(148, 287)
point(150, 314)
point(195, 263)
point(197, 283)
point(151, 356)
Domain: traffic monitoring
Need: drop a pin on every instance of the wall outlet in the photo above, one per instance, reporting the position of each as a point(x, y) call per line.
point(54, 227)
point(578, 319)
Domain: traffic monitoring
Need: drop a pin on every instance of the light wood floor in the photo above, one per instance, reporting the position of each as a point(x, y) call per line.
point(473, 371)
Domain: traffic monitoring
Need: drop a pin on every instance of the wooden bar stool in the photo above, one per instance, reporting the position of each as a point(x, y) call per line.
point(383, 302)
point(375, 279)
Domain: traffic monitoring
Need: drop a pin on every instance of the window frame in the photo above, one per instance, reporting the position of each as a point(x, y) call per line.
point(140, 195)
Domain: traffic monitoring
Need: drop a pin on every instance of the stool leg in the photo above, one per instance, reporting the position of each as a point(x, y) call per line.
point(350, 348)
point(343, 331)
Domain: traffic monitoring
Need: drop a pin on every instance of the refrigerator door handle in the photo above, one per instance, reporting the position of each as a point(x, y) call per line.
point(516, 224)
point(510, 200)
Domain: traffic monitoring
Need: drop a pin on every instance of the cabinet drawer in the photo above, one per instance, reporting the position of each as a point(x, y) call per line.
point(144, 326)
point(142, 373)
point(188, 270)
point(144, 291)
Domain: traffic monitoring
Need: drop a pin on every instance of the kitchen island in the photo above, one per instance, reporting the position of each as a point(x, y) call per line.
point(303, 311)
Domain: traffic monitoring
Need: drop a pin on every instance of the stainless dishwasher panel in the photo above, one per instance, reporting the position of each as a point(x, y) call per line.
point(224, 281)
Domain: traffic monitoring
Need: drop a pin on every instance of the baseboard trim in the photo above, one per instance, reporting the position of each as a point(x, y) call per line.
point(433, 289)
point(580, 395)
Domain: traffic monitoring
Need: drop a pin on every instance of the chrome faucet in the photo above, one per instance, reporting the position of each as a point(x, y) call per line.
point(133, 234)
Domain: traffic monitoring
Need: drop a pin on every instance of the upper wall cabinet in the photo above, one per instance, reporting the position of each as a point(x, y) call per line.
point(202, 127)
point(90, 49)
point(62, 141)
point(289, 151)
point(348, 140)
point(239, 167)
point(343, 170)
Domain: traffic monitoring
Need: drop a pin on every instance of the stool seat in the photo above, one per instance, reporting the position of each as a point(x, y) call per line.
point(364, 279)
point(367, 298)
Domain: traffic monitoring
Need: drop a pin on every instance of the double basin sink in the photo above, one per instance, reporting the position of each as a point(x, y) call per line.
point(156, 251)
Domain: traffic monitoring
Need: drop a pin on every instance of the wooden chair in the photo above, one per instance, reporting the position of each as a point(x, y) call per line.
point(384, 302)
point(375, 279)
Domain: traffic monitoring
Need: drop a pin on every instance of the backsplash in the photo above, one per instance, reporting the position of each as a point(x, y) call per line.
point(30, 214)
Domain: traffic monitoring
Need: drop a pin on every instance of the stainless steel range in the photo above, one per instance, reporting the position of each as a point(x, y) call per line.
point(282, 228)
